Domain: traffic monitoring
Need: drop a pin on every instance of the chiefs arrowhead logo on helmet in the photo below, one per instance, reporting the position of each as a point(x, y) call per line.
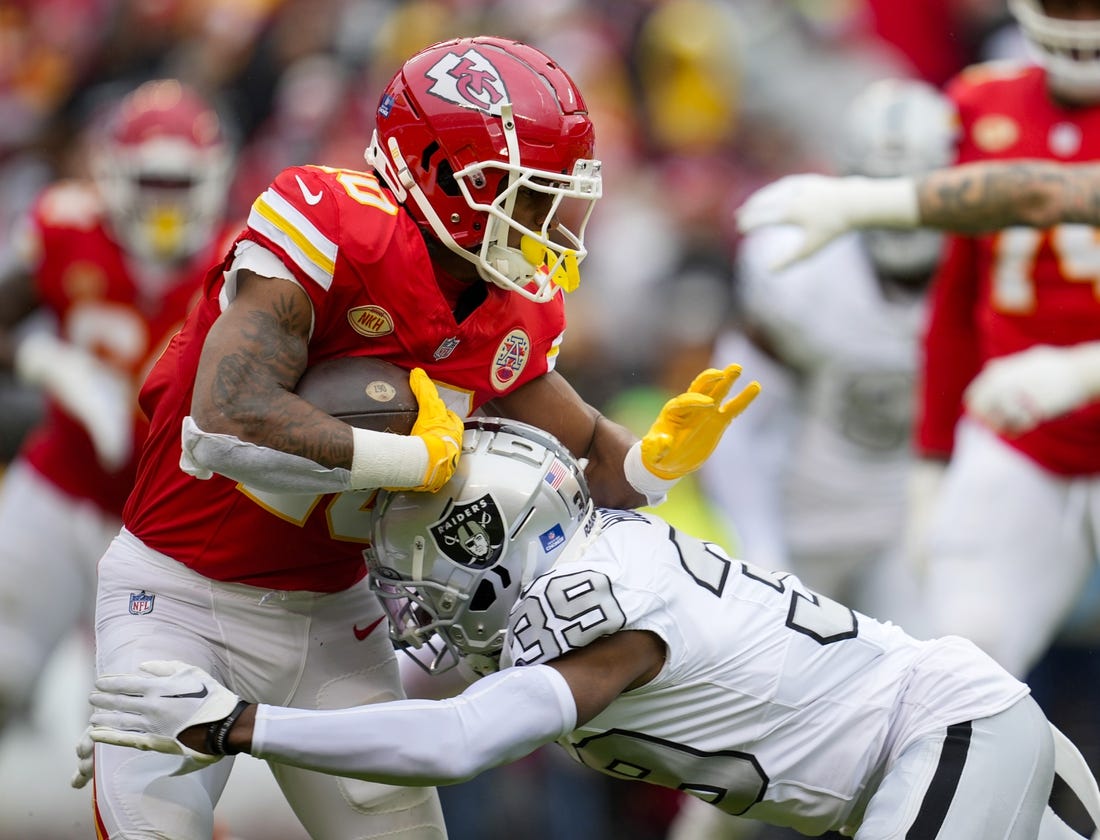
point(471, 130)
point(469, 80)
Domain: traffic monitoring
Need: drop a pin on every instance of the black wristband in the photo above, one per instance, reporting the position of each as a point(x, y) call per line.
point(217, 732)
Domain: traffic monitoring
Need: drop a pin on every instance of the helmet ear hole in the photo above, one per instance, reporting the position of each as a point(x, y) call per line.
point(502, 573)
point(426, 157)
point(445, 179)
point(484, 597)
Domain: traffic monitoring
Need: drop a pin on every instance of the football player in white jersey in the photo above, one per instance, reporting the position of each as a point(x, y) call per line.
point(821, 461)
point(1012, 394)
point(648, 655)
point(999, 498)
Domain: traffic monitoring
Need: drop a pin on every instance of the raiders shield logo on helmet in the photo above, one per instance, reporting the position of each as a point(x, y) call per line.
point(471, 534)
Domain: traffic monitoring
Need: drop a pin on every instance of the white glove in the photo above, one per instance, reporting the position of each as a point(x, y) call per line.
point(825, 207)
point(97, 395)
point(85, 760)
point(1015, 393)
point(149, 709)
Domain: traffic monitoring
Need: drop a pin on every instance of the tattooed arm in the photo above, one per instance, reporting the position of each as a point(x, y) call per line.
point(967, 199)
point(248, 425)
point(253, 356)
point(986, 196)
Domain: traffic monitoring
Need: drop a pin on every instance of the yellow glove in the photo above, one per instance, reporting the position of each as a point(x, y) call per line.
point(690, 424)
point(439, 428)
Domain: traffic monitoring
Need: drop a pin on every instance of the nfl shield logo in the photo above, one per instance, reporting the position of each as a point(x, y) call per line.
point(140, 603)
point(445, 349)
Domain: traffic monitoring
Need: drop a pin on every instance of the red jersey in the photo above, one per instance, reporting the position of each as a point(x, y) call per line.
point(1007, 291)
point(109, 306)
point(364, 264)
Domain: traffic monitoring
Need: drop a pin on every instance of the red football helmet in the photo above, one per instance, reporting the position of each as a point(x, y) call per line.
point(462, 128)
point(1066, 44)
point(163, 165)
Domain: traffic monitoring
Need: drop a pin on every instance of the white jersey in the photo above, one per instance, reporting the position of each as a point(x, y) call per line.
point(841, 396)
point(774, 702)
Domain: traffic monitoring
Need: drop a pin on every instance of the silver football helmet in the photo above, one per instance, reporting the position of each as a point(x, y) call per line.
point(900, 127)
point(1068, 49)
point(450, 565)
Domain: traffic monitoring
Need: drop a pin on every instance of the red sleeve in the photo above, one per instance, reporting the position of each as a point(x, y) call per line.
point(950, 349)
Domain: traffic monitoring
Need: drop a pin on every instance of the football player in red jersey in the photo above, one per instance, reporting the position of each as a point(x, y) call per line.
point(115, 260)
point(1010, 538)
point(448, 258)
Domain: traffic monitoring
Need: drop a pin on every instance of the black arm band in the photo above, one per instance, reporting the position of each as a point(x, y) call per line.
point(217, 733)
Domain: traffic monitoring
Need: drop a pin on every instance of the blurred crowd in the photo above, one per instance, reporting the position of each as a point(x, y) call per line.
point(696, 104)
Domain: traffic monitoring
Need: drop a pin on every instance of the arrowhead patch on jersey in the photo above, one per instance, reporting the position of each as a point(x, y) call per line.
point(471, 534)
point(510, 360)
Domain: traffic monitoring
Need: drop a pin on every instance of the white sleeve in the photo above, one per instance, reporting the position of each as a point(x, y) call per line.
point(255, 258)
point(744, 475)
point(420, 685)
point(260, 467)
point(379, 459)
point(498, 719)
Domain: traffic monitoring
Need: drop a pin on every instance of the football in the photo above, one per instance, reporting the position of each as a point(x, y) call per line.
point(362, 391)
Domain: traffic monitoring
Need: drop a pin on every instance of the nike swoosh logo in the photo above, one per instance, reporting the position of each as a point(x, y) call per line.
point(311, 198)
point(366, 631)
point(196, 694)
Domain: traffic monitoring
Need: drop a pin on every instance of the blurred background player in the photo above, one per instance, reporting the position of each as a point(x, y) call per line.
point(106, 269)
point(818, 487)
point(113, 262)
point(116, 260)
point(1008, 495)
point(1011, 539)
point(814, 482)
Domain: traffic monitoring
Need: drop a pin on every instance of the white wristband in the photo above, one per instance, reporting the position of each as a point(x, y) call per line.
point(384, 459)
point(653, 488)
point(880, 202)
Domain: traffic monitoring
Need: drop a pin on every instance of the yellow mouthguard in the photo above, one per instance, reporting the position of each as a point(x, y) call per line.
point(567, 275)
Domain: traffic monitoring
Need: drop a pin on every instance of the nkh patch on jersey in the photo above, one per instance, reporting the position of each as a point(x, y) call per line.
point(471, 534)
point(469, 80)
